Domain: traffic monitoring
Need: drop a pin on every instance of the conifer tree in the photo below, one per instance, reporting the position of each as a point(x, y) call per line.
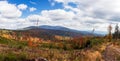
point(116, 34)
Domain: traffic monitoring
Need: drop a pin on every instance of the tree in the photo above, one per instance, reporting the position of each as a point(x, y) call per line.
point(78, 42)
point(93, 32)
point(116, 33)
point(109, 32)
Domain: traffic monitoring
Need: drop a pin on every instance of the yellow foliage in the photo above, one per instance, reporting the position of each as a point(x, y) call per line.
point(63, 37)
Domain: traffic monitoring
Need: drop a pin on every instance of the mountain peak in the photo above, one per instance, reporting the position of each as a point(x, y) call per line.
point(54, 27)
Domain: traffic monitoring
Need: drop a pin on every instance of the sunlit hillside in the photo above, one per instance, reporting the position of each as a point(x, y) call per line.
point(36, 44)
point(59, 30)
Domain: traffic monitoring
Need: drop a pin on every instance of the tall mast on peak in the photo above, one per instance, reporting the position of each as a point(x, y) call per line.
point(37, 23)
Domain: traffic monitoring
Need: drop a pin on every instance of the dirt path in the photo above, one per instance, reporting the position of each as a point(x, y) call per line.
point(111, 53)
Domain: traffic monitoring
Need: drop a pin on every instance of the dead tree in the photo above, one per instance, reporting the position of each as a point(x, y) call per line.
point(93, 32)
point(110, 32)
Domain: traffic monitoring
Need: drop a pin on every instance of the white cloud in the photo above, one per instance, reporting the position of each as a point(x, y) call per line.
point(58, 14)
point(34, 18)
point(92, 13)
point(108, 7)
point(22, 6)
point(86, 15)
point(9, 15)
point(53, 4)
point(32, 9)
point(10, 23)
point(52, 17)
point(9, 10)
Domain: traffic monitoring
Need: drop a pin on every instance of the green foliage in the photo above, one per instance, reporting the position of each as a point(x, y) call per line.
point(13, 43)
point(94, 42)
point(12, 57)
point(60, 45)
point(4, 40)
point(56, 50)
point(81, 44)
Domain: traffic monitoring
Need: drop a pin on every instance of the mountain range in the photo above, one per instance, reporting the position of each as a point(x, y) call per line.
point(47, 32)
point(59, 30)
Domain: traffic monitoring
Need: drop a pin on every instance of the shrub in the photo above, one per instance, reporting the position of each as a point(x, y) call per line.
point(12, 57)
point(78, 43)
point(94, 42)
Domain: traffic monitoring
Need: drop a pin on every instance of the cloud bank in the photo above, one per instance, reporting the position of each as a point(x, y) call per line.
point(76, 14)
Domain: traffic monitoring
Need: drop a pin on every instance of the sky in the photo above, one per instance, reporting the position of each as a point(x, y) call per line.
point(74, 14)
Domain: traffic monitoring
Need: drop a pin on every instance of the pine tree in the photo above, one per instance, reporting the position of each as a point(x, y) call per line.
point(116, 34)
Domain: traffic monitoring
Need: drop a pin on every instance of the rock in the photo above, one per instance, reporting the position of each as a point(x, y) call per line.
point(37, 59)
point(41, 59)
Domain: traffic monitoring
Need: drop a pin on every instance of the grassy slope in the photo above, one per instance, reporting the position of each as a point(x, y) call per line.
point(11, 50)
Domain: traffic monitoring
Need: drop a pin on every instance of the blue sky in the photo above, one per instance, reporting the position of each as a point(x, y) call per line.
point(38, 4)
point(74, 14)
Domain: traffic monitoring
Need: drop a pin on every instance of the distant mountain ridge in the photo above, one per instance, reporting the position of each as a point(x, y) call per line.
point(46, 32)
point(52, 28)
point(60, 28)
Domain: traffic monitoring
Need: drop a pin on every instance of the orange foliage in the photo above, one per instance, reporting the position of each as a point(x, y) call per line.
point(32, 44)
point(29, 43)
point(79, 42)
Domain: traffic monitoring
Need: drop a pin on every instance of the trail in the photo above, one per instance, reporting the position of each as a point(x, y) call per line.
point(111, 53)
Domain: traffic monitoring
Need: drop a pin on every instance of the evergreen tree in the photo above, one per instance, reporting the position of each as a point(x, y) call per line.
point(116, 33)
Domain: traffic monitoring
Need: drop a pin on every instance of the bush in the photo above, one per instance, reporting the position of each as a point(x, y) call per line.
point(94, 42)
point(78, 43)
point(55, 45)
point(13, 43)
point(12, 57)
point(4, 40)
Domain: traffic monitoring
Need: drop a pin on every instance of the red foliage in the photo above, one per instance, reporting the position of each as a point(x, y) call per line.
point(32, 44)
point(78, 40)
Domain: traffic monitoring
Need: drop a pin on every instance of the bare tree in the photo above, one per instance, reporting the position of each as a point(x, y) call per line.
point(93, 31)
point(110, 32)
